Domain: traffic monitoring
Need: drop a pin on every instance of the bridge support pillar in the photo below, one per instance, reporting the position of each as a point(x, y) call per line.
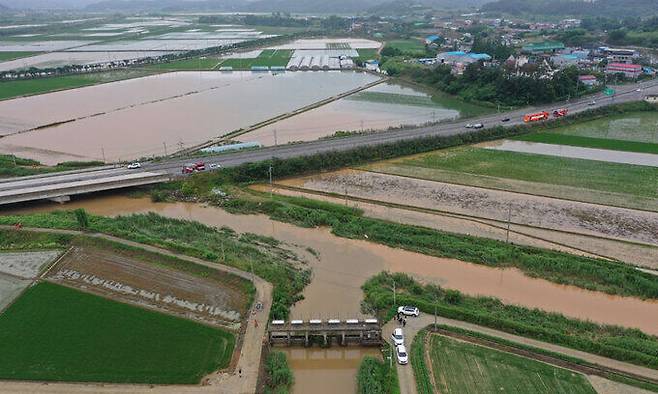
point(61, 199)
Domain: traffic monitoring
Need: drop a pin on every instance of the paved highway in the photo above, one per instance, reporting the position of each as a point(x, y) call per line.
point(26, 189)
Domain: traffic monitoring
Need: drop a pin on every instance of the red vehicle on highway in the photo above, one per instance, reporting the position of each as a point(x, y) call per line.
point(536, 117)
point(558, 113)
point(196, 167)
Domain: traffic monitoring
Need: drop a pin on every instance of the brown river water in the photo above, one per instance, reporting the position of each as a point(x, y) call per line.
point(344, 264)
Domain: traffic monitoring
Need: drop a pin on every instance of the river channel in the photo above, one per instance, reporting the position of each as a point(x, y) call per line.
point(343, 265)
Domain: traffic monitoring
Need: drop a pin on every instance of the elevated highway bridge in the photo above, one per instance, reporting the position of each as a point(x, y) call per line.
point(61, 186)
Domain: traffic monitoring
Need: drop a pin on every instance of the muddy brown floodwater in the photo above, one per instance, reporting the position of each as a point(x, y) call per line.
point(344, 265)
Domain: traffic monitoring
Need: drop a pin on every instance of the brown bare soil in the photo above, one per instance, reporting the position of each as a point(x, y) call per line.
point(626, 228)
point(217, 299)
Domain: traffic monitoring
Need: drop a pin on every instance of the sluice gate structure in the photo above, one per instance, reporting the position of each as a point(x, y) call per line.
point(366, 332)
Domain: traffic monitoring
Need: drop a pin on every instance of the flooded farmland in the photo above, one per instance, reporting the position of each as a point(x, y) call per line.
point(147, 116)
point(380, 107)
point(344, 264)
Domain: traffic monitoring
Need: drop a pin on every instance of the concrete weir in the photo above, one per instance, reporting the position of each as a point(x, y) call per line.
point(366, 332)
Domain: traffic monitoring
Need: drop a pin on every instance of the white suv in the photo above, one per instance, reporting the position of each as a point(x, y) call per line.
point(409, 311)
point(401, 353)
point(398, 337)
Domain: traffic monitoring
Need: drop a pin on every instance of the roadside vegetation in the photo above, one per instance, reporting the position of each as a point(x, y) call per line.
point(279, 377)
point(12, 166)
point(376, 376)
point(53, 333)
point(624, 344)
point(222, 245)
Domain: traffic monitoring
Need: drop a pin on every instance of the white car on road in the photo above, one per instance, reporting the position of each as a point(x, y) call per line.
point(134, 166)
point(214, 166)
point(401, 353)
point(409, 311)
point(398, 337)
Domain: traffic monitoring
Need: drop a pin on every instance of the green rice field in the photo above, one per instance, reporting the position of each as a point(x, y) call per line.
point(267, 58)
point(408, 46)
point(463, 368)
point(587, 174)
point(590, 142)
point(638, 126)
point(4, 56)
point(54, 333)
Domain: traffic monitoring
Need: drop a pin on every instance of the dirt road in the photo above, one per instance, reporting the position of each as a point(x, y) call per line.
point(219, 382)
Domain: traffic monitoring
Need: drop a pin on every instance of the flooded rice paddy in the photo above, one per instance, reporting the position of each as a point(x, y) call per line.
point(57, 59)
point(146, 116)
point(380, 107)
point(574, 152)
point(343, 265)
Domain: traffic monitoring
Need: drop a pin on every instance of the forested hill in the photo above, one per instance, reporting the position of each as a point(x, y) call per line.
point(293, 6)
point(580, 8)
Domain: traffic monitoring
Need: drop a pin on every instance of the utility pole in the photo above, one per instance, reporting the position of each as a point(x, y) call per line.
point(165, 147)
point(509, 219)
point(276, 140)
point(271, 186)
point(102, 152)
point(435, 312)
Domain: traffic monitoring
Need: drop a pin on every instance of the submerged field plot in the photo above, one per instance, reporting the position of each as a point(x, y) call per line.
point(140, 117)
point(54, 333)
point(19, 269)
point(460, 367)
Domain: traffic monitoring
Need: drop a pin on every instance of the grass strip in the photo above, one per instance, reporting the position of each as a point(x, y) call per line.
point(417, 359)
point(12, 166)
point(590, 142)
point(55, 333)
point(377, 377)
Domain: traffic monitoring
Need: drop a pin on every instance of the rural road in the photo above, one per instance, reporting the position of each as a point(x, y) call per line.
point(218, 382)
point(414, 325)
point(10, 188)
